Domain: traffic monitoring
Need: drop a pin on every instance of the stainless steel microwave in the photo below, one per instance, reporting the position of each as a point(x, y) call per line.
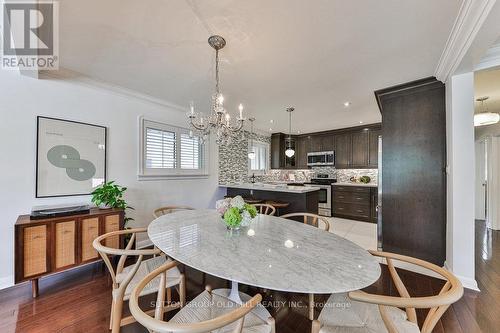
point(321, 158)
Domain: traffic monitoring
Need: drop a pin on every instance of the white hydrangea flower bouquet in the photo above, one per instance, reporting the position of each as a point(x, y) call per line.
point(235, 212)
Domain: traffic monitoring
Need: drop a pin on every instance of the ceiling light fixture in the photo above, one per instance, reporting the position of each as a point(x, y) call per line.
point(219, 119)
point(347, 104)
point(289, 152)
point(251, 153)
point(484, 117)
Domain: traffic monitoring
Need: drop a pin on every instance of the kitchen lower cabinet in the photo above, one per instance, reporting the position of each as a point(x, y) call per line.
point(354, 202)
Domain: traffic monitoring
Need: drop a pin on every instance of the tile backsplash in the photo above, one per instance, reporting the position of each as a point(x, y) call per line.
point(233, 166)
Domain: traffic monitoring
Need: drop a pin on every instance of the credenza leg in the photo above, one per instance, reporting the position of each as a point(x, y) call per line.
point(34, 288)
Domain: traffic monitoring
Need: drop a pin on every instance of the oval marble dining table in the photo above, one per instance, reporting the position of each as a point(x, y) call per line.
point(272, 253)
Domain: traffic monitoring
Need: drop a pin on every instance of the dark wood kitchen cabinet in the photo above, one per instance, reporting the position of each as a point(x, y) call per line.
point(414, 169)
point(302, 148)
point(355, 147)
point(343, 149)
point(279, 143)
point(354, 202)
point(359, 149)
point(373, 136)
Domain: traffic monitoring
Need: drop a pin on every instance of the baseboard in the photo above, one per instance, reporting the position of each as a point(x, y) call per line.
point(6, 282)
point(468, 283)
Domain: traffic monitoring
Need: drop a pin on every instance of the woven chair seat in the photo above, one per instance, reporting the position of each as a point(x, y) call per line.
point(146, 267)
point(208, 306)
point(343, 315)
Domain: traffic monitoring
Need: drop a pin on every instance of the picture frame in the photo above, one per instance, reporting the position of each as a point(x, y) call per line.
point(71, 157)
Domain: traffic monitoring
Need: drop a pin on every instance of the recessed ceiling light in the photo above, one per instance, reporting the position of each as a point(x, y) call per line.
point(271, 121)
point(298, 132)
point(347, 104)
point(360, 122)
point(270, 129)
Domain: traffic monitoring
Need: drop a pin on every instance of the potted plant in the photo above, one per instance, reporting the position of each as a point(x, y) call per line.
point(235, 212)
point(110, 195)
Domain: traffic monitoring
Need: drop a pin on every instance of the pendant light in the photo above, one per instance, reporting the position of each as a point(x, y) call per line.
point(251, 154)
point(484, 117)
point(289, 152)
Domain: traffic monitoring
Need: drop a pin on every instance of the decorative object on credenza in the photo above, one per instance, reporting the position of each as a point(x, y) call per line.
point(44, 212)
point(235, 212)
point(365, 179)
point(110, 195)
point(71, 157)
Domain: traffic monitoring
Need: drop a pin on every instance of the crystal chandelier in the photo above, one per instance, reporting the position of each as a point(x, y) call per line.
point(219, 119)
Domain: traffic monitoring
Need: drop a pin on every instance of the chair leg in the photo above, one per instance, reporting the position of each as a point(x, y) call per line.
point(169, 296)
point(316, 326)
point(111, 314)
point(182, 291)
point(311, 306)
point(117, 315)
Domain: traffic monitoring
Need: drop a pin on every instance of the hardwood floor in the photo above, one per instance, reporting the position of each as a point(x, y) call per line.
point(80, 300)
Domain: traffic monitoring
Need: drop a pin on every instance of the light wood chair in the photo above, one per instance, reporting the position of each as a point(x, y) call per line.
point(358, 311)
point(311, 219)
point(169, 209)
point(126, 278)
point(265, 209)
point(208, 312)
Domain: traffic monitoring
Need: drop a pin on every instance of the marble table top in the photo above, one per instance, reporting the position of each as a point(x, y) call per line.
point(272, 252)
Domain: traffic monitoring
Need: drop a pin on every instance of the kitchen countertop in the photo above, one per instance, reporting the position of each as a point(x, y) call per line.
point(356, 184)
point(272, 187)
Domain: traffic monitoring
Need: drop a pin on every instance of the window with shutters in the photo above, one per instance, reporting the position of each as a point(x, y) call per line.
point(259, 165)
point(171, 151)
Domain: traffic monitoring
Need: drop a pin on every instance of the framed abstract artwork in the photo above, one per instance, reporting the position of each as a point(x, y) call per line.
point(71, 157)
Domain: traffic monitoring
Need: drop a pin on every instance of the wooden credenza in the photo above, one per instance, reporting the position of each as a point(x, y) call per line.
point(53, 245)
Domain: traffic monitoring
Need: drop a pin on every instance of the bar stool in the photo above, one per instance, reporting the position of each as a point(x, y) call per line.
point(253, 201)
point(278, 205)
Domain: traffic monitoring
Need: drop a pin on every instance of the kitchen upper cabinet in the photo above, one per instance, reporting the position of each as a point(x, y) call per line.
point(279, 143)
point(359, 150)
point(355, 147)
point(343, 149)
point(373, 136)
point(302, 148)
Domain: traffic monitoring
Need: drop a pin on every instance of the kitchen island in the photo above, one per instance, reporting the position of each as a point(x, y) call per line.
point(300, 198)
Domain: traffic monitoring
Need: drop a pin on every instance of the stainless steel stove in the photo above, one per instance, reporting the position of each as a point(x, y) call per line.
point(324, 182)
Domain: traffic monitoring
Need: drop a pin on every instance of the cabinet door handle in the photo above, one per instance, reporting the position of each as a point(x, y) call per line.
point(37, 237)
point(67, 232)
point(341, 196)
point(359, 211)
point(340, 208)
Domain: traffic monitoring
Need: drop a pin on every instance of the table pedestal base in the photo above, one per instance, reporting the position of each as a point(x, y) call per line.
point(234, 295)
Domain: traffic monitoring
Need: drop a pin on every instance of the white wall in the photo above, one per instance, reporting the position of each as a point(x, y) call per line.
point(23, 98)
point(460, 181)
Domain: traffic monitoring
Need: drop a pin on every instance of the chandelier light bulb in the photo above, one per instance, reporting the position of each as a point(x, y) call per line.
point(251, 155)
point(221, 99)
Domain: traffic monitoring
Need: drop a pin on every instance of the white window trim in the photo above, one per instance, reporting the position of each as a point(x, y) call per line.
point(260, 172)
point(148, 174)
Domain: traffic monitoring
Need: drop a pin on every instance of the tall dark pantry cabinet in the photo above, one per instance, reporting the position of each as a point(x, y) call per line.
point(414, 169)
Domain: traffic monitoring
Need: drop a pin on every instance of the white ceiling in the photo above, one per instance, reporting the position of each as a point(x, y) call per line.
point(313, 55)
point(487, 83)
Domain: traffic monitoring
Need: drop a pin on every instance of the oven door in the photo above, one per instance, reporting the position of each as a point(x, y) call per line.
point(324, 196)
point(316, 159)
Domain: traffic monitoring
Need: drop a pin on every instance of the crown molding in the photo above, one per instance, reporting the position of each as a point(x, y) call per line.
point(64, 74)
point(470, 18)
